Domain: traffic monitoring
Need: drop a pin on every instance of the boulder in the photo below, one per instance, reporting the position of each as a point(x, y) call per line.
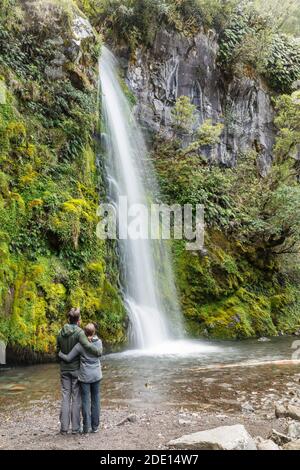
point(294, 431)
point(82, 28)
point(266, 444)
point(222, 438)
point(280, 411)
point(293, 412)
point(294, 445)
point(68, 35)
point(278, 437)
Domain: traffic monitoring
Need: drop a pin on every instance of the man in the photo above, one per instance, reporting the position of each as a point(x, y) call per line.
point(69, 336)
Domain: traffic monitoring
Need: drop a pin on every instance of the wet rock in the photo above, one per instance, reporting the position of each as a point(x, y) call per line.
point(263, 339)
point(294, 431)
point(294, 445)
point(221, 438)
point(82, 28)
point(278, 437)
point(227, 401)
point(176, 65)
point(265, 444)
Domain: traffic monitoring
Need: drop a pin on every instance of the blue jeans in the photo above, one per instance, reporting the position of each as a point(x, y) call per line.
point(90, 397)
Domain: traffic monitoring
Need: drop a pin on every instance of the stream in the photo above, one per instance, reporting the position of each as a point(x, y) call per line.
point(220, 377)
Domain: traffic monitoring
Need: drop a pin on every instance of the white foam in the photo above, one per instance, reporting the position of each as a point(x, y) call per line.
point(177, 348)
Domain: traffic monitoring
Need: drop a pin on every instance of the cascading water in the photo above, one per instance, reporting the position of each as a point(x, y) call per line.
point(149, 289)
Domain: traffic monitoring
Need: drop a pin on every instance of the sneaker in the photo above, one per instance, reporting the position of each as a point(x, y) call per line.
point(63, 433)
point(94, 431)
point(76, 432)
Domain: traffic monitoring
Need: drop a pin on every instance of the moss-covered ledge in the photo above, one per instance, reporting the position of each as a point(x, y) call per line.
point(228, 294)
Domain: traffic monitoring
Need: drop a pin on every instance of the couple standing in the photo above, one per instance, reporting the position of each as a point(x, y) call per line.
point(79, 351)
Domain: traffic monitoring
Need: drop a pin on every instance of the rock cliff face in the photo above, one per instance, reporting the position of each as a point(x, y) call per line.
point(69, 35)
point(176, 65)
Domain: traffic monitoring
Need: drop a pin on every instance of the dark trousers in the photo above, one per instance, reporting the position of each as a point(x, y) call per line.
point(90, 397)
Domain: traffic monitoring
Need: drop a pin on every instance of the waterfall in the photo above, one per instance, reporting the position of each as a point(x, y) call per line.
point(149, 289)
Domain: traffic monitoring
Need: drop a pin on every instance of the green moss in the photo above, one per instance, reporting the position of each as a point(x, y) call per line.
point(51, 258)
point(240, 315)
point(112, 319)
point(127, 92)
point(224, 295)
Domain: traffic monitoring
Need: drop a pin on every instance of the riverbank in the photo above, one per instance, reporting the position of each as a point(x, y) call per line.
point(145, 415)
point(37, 428)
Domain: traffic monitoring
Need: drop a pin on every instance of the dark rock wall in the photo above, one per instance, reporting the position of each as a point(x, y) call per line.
point(176, 65)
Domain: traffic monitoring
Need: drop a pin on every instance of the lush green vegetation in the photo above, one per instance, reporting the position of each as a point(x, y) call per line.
point(254, 36)
point(136, 22)
point(253, 43)
point(246, 283)
point(50, 256)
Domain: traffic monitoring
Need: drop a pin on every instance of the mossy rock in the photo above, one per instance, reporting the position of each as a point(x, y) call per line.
point(225, 295)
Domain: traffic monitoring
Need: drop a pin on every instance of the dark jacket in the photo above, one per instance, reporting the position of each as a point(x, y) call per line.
point(90, 367)
point(68, 337)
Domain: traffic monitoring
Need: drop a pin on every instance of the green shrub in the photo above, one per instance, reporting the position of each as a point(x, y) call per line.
point(251, 41)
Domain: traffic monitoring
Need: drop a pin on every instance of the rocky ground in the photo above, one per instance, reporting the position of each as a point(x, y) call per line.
point(37, 427)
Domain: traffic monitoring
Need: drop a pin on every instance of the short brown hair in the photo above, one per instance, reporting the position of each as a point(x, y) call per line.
point(90, 329)
point(74, 315)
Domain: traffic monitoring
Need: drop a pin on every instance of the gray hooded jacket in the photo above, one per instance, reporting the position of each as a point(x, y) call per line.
point(90, 366)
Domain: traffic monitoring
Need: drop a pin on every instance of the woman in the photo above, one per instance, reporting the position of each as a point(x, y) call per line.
point(89, 378)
